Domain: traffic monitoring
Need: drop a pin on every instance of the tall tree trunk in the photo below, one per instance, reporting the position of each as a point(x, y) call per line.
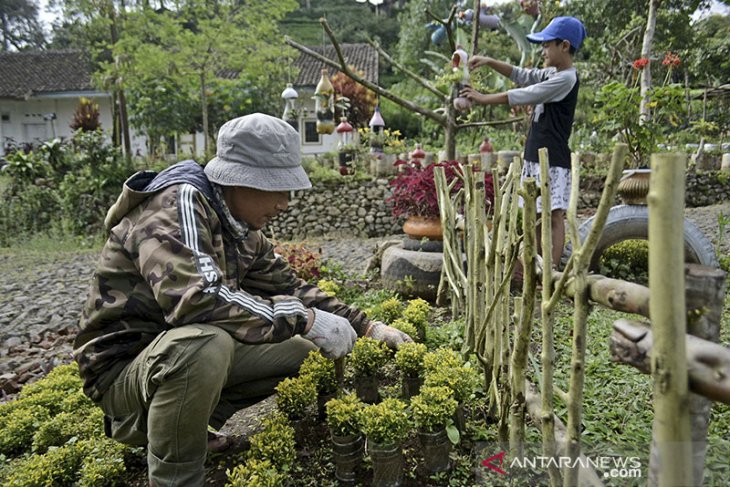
point(646, 53)
point(204, 109)
point(123, 119)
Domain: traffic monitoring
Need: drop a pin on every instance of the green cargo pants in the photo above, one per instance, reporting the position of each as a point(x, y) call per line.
point(187, 378)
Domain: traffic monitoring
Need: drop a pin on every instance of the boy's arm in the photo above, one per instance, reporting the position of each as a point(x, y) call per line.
point(484, 98)
point(505, 69)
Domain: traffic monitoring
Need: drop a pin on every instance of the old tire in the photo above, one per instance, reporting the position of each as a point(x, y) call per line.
point(411, 273)
point(631, 222)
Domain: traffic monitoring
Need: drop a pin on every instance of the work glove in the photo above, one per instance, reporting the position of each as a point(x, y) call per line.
point(332, 334)
point(392, 337)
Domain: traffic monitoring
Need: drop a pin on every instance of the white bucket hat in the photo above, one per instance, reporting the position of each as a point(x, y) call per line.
point(258, 151)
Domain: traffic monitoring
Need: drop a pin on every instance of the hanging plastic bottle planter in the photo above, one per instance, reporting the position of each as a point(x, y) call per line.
point(345, 147)
point(377, 138)
point(324, 104)
point(459, 61)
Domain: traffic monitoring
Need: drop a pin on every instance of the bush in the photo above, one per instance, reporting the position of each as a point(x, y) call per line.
point(389, 310)
point(386, 423)
point(343, 415)
point(368, 355)
point(433, 408)
point(441, 358)
point(275, 442)
point(303, 260)
point(406, 327)
point(66, 425)
point(627, 260)
point(295, 396)
point(255, 473)
point(321, 371)
point(416, 312)
point(409, 358)
point(461, 380)
point(330, 288)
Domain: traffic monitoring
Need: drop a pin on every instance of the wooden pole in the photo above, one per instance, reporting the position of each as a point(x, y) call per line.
point(705, 296)
point(671, 441)
point(522, 341)
point(548, 346)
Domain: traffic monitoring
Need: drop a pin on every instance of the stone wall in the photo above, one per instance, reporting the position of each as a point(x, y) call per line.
point(357, 208)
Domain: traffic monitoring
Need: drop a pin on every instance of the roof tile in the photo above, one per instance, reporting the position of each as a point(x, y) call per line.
point(27, 72)
point(362, 56)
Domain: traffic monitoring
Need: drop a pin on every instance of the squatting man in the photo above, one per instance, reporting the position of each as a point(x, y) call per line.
point(191, 316)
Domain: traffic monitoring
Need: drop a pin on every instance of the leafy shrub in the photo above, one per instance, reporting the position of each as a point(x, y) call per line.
point(330, 288)
point(56, 467)
point(321, 371)
point(450, 334)
point(409, 358)
point(19, 426)
point(275, 442)
point(433, 408)
point(441, 358)
point(386, 423)
point(343, 415)
point(66, 425)
point(86, 116)
point(416, 312)
point(388, 310)
point(255, 473)
point(368, 355)
point(406, 327)
point(295, 396)
point(303, 260)
point(103, 463)
point(627, 260)
point(462, 380)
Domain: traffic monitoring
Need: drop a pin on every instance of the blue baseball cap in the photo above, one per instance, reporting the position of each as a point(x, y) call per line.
point(565, 28)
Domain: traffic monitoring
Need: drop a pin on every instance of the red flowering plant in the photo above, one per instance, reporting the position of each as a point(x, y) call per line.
point(619, 105)
point(414, 188)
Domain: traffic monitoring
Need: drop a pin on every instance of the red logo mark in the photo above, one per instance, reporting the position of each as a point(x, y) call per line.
point(488, 462)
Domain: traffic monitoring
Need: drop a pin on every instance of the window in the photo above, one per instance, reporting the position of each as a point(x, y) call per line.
point(310, 132)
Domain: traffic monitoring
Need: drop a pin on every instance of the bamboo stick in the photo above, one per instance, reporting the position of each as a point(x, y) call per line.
point(548, 346)
point(580, 318)
point(518, 369)
point(671, 442)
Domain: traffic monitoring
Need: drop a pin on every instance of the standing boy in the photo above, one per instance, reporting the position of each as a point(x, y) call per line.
point(553, 90)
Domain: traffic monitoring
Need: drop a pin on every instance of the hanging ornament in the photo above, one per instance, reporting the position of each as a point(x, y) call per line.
point(485, 19)
point(346, 151)
point(417, 156)
point(486, 146)
point(459, 62)
point(290, 114)
point(324, 104)
point(377, 139)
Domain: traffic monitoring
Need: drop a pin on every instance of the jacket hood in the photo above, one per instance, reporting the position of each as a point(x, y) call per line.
point(143, 184)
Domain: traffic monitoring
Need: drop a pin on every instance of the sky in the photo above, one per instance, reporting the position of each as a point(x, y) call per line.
point(48, 17)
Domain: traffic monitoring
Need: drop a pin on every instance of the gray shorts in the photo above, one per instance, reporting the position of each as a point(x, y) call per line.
point(559, 185)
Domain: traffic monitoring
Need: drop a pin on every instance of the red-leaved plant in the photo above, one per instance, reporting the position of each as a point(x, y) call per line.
point(414, 188)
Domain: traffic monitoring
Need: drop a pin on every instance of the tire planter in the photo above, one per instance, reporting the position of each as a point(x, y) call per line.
point(411, 273)
point(631, 222)
point(387, 464)
point(347, 455)
point(436, 448)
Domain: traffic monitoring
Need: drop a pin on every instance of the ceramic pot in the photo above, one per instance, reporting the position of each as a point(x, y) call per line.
point(634, 186)
point(418, 227)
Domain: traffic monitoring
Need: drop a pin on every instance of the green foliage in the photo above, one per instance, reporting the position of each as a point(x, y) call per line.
point(329, 287)
point(446, 335)
point(627, 260)
point(433, 408)
point(389, 310)
point(444, 367)
point(343, 415)
point(275, 442)
point(409, 358)
point(416, 312)
point(295, 395)
point(86, 116)
point(321, 371)
point(368, 355)
point(56, 434)
point(386, 423)
point(406, 327)
point(255, 473)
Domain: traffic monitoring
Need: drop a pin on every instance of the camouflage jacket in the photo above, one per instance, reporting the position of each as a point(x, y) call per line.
point(173, 259)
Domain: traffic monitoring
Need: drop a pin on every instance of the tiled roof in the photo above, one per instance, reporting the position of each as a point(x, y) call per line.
point(362, 56)
point(42, 72)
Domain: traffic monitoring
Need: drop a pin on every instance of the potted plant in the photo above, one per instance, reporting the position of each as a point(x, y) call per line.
point(386, 426)
point(294, 397)
point(343, 420)
point(275, 442)
point(444, 367)
point(322, 372)
point(416, 312)
point(367, 356)
point(409, 360)
point(433, 410)
point(414, 197)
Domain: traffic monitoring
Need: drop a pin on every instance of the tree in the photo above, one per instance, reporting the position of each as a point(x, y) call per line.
point(19, 26)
